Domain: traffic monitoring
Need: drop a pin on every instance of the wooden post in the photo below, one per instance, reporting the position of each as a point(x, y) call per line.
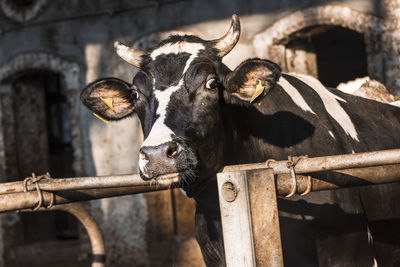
point(249, 215)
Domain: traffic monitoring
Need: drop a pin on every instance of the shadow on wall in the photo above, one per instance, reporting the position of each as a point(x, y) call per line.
point(114, 148)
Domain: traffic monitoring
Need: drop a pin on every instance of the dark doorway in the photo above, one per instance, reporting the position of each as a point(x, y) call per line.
point(341, 55)
point(330, 53)
point(41, 142)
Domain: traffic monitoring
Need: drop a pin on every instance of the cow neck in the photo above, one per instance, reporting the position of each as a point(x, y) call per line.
point(240, 145)
point(208, 224)
point(207, 201)
point(207, 198)
point(196, 188)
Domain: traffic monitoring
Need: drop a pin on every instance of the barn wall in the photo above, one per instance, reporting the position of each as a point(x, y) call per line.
point(66, 29)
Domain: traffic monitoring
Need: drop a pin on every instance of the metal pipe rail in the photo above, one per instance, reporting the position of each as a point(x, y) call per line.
point(91, 227)
point(326, 163)
point(260, 181)
point(334, 172)
point(79, 183)
point(248, 197)
point(29, 200)
point(304, 165)
point(335, 179)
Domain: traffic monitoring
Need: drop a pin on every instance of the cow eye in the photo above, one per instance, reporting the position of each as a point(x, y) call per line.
point(211, 84)
point(134, 94)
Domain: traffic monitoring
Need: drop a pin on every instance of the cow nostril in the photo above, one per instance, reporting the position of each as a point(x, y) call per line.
point(172, 150)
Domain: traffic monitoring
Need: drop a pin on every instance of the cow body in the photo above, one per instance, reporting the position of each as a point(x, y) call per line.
point(198, 116)
point(278, 127)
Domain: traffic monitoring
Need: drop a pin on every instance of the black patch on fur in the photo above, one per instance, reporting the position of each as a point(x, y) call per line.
point(143, 84)
point(196, 76)
point(168, 69)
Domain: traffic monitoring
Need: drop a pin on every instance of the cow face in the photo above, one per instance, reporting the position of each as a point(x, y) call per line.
point(178, 95)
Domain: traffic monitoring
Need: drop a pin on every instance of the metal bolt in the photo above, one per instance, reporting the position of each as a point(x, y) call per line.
point(229, 191)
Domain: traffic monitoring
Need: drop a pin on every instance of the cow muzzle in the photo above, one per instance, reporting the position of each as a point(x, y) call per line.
point(158, 160)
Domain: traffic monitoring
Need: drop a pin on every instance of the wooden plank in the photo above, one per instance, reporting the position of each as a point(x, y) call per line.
point(250, 221)
point(184, 209)
point(236, 219)
point(160, 217)
point(264, 218)
point(159, 227)
point(170, 230)
point(187, 251)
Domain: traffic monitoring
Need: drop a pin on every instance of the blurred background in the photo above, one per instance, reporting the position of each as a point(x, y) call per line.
point(49, 51)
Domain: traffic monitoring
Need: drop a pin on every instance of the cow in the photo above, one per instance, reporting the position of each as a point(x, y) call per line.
point(197, 116)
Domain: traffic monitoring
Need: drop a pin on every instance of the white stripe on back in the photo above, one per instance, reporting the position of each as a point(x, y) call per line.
point(331, 104)
point(294, 95)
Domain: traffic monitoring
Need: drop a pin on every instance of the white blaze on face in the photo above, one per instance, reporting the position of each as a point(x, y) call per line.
point(294, 95)
point(331, 104)
point(142, 164)
point(160, 132)
point(176, 48)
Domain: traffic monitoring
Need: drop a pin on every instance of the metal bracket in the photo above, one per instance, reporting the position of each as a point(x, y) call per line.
point(34, 180)
point(291, 163)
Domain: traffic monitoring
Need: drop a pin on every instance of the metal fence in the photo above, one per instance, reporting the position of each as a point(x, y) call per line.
point(248, 194)
point(247, 197)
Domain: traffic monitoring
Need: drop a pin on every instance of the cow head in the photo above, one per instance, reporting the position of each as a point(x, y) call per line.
point(178, 95)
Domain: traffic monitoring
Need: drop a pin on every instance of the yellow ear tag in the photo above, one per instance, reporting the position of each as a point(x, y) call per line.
point(258, 92)
point(109, 102)
point(101, 118)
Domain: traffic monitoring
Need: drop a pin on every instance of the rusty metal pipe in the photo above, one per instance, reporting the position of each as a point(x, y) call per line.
point(91, 227)
point(317, 164)
point(340, 179)
point(322, 181)
point(14, 199)
point(304, 165)
point(29, 200)
point(79, 183)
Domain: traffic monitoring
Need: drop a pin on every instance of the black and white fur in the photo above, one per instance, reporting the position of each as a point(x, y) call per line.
point(213, 126)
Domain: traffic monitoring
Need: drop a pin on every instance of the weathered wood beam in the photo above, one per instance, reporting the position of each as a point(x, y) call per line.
point(249, 215)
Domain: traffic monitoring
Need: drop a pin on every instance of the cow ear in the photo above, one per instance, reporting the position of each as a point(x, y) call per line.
point(109, 98)
point(252, 79)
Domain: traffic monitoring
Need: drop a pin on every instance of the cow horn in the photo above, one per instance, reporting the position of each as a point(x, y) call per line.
point(130, 55)
point(226, 43)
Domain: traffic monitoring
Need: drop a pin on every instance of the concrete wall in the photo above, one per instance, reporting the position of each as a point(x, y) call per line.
point(83, 32)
